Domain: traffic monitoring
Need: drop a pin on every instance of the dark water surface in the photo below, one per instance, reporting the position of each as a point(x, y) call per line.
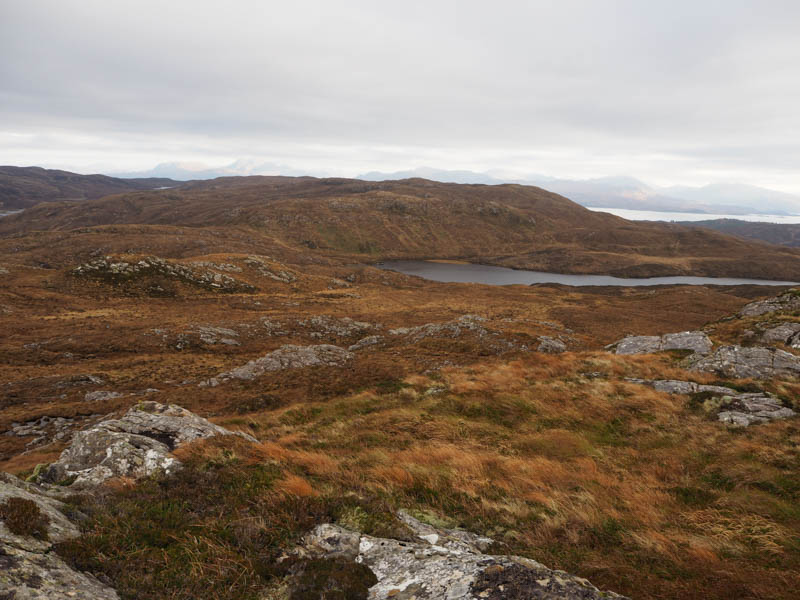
point(469, 273)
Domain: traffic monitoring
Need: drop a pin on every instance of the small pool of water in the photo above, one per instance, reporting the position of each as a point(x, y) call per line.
point(469, 273)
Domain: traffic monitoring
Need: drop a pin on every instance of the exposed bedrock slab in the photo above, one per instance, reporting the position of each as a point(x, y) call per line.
point(29, 570)
point(443, 564)
point(285, 357)
point(732, 407)
point(695, 341)
point(136, 445)
point(756, 362)
point(785, 333)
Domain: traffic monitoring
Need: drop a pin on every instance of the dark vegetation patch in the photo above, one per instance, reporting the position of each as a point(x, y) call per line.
point(23, 517)
point(331, 579)
point(216, 530)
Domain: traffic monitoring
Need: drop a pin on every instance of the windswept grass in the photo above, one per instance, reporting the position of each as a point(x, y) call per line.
point(614, 481)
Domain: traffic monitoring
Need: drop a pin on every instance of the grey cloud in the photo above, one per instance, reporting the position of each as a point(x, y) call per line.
point(690, 80)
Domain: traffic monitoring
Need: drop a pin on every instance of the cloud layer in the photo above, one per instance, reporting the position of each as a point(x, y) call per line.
point(675, 92)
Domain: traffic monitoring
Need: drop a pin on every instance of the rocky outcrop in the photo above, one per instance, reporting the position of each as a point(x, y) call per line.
point(731, 406)
point(551, 345)
point(137, 445)
point(262, 265)
point(471, 325)
point(118, 271)
point(790, 301)
point(694, 341)
point(452, 329)
point(438, 564)
point(285, 357)
point(755, 362)
point(30, 523)
point(327, 326)
point(370, 340)
point(785, 333)
point(748, 409)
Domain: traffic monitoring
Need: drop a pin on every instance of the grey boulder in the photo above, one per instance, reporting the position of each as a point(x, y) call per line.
point(695, 341)
point(443, 564)
point(756, 362)
point(137, 445)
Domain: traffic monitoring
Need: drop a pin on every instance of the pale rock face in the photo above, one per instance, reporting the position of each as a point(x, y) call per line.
point(137, 445)
point(443, 564)
point(755, 362)
point(371, 340)
point(695, 341)
point(735, 408)
point(785, 333)
point(29, 570)
point(285, 357)
point(551, 345)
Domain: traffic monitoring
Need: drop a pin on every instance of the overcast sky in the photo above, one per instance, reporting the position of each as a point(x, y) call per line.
point(673, 91)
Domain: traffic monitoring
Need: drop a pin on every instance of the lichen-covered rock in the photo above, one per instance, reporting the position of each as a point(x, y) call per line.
point(694, 341)
point(785, 333)
point(285, 357)
point(755, 362)
point(217, 335)
point(674, 386)
point(551, 345)
point(29, 570)
point(732, 407)
point(118, 270)
point(790, 301)
point(137, 445)
point(327, 326)
point(471, 325)
point(100, 395)
point(442, 564)
point(748, 409)
point(370, 340)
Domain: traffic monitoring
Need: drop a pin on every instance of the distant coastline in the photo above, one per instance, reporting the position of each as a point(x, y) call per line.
point(652, 215)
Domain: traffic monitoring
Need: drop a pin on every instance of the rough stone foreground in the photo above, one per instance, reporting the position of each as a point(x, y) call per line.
point(28, 568)
point(735, 408)
point(137, 445)
point(444, 564)
point(285, 357)
point(756, 362)
point(696, 341)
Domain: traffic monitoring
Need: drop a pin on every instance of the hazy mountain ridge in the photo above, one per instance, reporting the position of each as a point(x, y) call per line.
point(628, 192)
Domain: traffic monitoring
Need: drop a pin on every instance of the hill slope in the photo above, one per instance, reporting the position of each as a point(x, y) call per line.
point(23, 187)
point(511, 225)
point(784, 234)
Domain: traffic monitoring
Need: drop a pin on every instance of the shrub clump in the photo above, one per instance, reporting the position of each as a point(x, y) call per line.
point(23, 517)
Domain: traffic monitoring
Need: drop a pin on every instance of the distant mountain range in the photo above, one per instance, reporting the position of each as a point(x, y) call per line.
point(628, 192)
point(185, 171)
point(603, 192)
point(21, 187)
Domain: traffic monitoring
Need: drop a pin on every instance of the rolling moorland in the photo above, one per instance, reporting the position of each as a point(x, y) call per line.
point(23, 187)
point(361, 393)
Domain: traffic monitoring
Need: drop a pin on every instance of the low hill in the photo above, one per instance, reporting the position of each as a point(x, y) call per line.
point(352, 220)
point(784, 234)
point(23, 187)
